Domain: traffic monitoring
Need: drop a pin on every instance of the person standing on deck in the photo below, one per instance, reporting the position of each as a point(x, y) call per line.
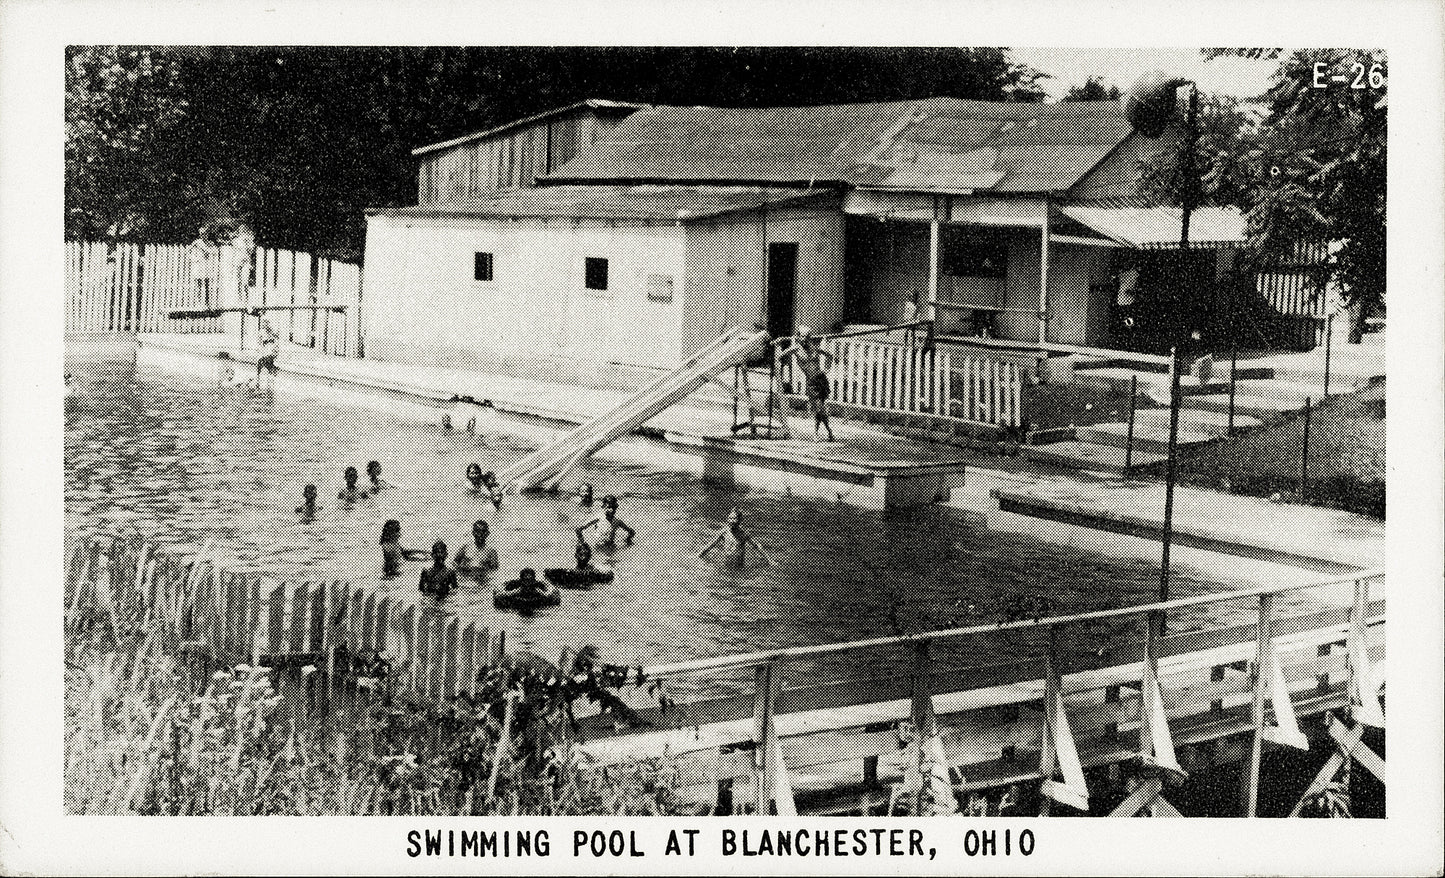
point(734, 542)
point(813, 362)
point(269, 345)
point(202, 255)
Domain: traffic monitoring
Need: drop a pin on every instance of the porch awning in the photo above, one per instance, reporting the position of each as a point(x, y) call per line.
point(1157, 228)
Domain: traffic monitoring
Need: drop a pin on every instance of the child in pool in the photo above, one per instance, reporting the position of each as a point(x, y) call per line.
point(486, 556)
point(607, 524)
point(584, 495)
point(438, 580)
point(392, 553)
point(735, 542)
point(308, 507)
point(373, 472)
point(351, 492)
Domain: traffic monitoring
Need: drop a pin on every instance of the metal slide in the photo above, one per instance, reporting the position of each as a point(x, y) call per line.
point(546, 466)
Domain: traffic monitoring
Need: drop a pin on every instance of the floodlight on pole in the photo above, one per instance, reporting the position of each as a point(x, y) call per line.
point(1150, 108)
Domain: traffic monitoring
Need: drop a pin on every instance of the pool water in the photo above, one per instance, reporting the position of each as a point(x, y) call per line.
point(181, 461)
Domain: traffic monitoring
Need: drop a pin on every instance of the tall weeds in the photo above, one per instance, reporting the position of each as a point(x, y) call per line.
point(150, 728)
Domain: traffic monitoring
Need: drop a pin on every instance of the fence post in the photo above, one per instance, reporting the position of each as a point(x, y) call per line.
point(1256, 686)
point(765, 692)
point(1304, 458)
point(1129, 441)
point(1329, 334)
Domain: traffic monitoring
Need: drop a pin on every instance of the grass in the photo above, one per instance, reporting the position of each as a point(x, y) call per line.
point(148, 732)
point(1346, 467)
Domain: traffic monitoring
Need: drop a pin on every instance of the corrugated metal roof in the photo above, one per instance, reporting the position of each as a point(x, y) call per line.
point(938, 143)
point(589, 104)
point(651, 203)
point(1157, 228)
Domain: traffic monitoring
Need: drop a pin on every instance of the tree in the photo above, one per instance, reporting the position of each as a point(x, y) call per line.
point(1310, 167)
point(120, 102)
point(1319, 170)
point(1093, 89)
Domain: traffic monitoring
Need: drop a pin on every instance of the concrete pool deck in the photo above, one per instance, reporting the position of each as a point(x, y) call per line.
point(869, 467)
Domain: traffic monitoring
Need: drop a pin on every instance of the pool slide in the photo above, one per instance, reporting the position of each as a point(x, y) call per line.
point(546, 466)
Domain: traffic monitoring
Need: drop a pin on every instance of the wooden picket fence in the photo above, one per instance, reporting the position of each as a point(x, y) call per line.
point(286, 277)
point(132, 288)
point(906, 378)
point(228, 617)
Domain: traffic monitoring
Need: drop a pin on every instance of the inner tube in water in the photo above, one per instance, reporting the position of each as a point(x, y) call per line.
point(571, 577)
point(509, 595)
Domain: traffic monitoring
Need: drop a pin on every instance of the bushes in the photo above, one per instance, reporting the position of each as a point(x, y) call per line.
point(139, 739)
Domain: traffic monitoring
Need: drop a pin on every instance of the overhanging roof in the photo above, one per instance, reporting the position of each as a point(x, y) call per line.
point(1157, 228)
point(938, 144)
point(680, 204)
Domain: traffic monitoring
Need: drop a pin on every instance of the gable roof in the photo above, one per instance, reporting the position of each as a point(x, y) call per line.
point(944, 144)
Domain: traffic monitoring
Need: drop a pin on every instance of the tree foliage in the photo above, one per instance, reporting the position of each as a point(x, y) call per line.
point(298, 141)
point(1093, 89)
point(1308, 165)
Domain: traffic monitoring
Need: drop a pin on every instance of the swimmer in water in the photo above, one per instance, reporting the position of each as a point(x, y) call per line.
point(584, 495)
point(735, 542)
point(351, 492)
point(308, 507)
point(392, 553)
point(494, 490)
point(438, 580)
point(486, 556)
point(373, 473)
point(475, 479)
point(607, 524)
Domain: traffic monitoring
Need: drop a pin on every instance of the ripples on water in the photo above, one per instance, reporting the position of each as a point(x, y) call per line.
point(181, 461)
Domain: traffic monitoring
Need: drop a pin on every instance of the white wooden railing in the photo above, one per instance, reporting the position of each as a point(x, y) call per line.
point(906, 378)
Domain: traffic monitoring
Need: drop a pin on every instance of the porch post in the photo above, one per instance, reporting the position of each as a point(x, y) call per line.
point(933, 264)
point(1044, 277)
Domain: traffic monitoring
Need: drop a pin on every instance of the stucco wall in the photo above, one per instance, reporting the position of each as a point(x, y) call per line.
point(423, 305)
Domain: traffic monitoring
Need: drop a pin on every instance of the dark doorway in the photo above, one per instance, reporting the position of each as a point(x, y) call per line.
point(782, 288)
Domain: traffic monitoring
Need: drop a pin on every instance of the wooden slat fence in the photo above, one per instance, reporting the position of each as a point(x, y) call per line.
point(285, 277)
point(232, 617)
point(1294, 295)
point(905, 378)
point(134, 287)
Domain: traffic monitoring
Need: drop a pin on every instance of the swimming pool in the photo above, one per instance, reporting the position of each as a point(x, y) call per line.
point(176, 458)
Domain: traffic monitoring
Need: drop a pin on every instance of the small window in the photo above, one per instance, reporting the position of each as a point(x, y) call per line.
point(482, 266)
point(596, 273)
point(659, 288)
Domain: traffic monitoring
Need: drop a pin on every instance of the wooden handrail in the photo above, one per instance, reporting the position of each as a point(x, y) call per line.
point(752, 659)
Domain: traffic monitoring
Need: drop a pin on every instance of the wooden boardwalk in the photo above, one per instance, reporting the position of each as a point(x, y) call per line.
point(1173, 704)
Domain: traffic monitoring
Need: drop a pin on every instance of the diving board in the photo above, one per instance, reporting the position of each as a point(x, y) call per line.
point(547, 466)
